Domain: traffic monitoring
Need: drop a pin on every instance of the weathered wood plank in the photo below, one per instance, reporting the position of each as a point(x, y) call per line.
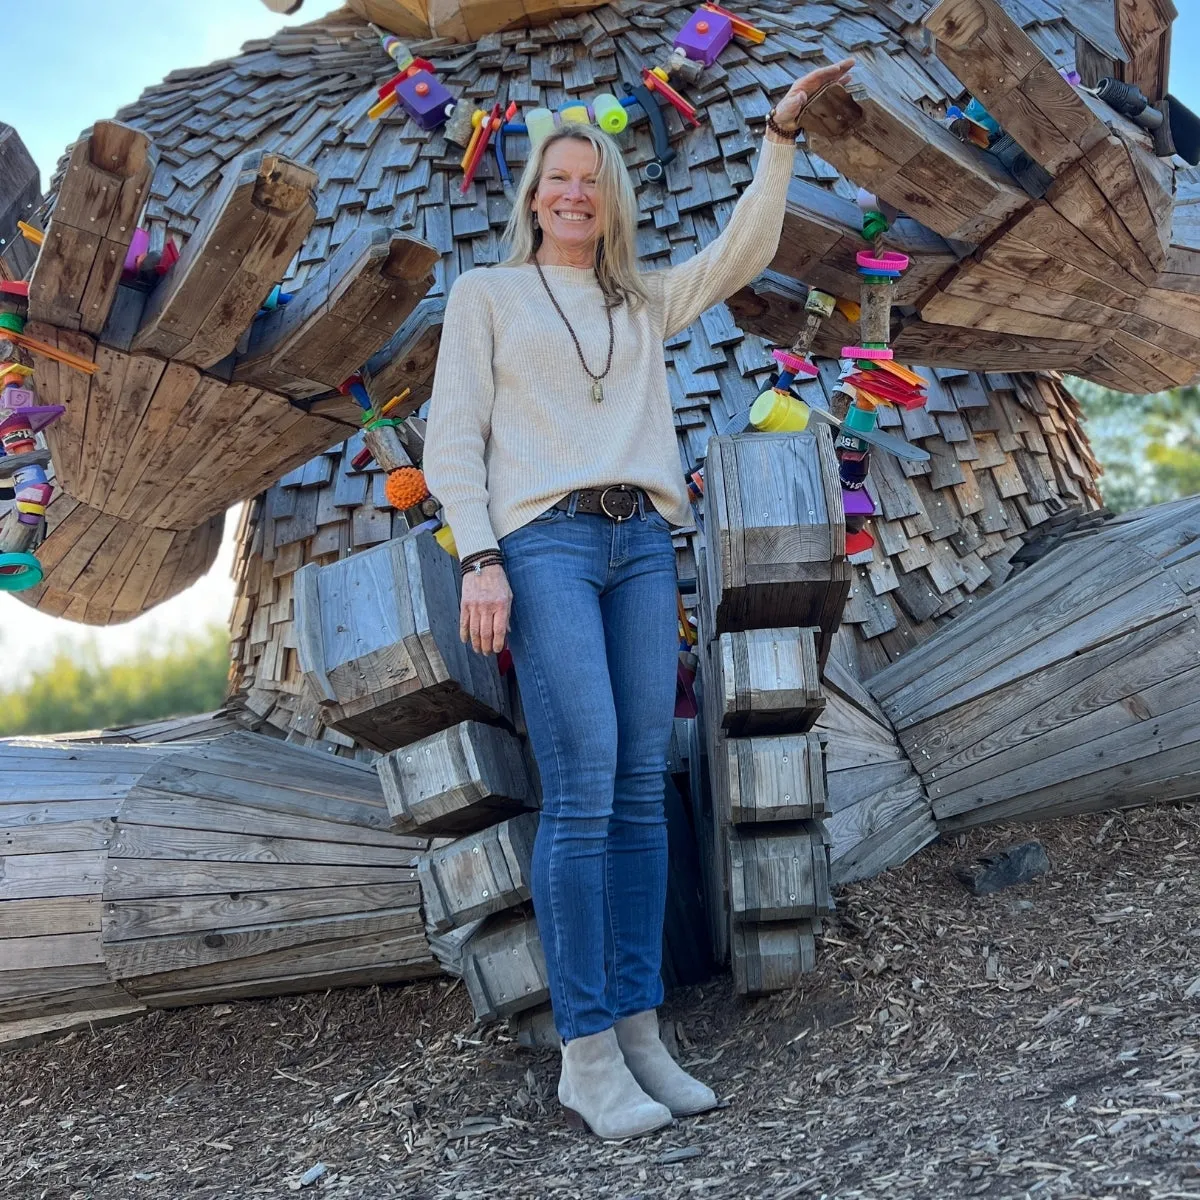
point(134, 841)
point(773, 957)
point(767, 681)
point(778, 873)
point(255, 222)
point(201, 948)
point(480, 874)
point(71, 873)
point(100, 197)
point(151, 918)
point(456, 781)
point(504, 967)
point(137, 879)
point(341, 316)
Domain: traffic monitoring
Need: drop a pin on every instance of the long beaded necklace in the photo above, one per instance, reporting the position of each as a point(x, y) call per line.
point(597, 380)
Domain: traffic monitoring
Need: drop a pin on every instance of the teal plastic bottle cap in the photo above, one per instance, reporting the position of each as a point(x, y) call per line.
point(860, 420)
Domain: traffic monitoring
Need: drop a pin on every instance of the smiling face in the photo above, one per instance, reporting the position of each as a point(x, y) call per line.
point(568, 203)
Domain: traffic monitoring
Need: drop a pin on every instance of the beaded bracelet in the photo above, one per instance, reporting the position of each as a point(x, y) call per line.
point(482, 558)
point(777, 129)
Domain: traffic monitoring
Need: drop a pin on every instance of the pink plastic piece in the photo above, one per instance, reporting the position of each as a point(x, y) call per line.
point(867, 353)
point(889, 260)
point(794, 364)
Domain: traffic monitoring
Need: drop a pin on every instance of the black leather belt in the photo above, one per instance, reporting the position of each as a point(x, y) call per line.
point(618, 502)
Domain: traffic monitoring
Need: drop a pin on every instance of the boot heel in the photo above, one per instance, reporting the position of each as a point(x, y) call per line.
point(574, 1120)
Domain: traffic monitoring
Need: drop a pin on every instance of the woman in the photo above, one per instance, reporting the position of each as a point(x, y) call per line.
point(552, 448)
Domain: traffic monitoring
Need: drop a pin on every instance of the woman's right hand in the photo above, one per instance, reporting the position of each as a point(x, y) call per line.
point(486, 601)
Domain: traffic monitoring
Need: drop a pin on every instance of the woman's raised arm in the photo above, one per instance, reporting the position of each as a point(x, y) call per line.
point(748, 243)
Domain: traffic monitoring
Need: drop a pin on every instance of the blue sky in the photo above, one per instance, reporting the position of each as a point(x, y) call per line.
point(90, 57)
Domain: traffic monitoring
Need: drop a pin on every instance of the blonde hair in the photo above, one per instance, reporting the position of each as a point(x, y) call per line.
point(616, 247)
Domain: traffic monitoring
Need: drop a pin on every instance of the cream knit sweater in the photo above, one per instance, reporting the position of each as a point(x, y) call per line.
point(512, 424)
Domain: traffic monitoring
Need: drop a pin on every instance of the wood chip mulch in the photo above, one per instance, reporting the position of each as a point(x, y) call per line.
point(1039, 1042)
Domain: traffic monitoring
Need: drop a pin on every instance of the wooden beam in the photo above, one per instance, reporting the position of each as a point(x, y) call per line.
point(907, 158)
point(1144, 27)
point(822, 233)
point(408, 359)
point(772, 306)
point(103, 192)
point(1000, 64)
point(341, 316)
point(255, 223)
point(981, 350)
point(20, 191)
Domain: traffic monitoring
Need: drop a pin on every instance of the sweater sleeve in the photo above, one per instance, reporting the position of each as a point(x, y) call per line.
point(742, 251)
point(460, 415)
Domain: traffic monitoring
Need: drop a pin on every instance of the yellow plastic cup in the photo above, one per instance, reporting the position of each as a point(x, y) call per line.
point(611, 114)
point(445, 539)
point(777, 412)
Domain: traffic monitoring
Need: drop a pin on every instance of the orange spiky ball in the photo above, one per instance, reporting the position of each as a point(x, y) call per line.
point(405, 487)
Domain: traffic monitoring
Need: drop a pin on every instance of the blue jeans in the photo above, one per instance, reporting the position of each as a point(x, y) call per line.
point(594, 640)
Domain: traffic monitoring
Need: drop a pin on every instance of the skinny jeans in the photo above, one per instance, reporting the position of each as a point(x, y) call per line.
point(594, 640)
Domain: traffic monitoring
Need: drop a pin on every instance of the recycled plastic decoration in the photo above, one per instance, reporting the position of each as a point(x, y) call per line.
point(416, 89)
point(22, 469)
point(869, 378)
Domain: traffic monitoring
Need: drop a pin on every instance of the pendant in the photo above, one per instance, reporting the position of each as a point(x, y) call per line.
point(597, 391)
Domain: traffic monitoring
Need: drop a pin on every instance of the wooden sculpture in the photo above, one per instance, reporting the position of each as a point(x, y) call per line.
point(149, 876)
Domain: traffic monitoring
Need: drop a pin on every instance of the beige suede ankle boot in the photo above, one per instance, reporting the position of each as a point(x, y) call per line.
point(597, 1090)
point(658, 1073)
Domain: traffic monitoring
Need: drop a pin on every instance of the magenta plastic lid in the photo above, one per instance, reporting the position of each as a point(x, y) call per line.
point(867, 353)
point(887, 260)
point(794, 363)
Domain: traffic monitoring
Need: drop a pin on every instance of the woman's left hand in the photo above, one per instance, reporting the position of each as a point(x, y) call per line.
point(787, 111)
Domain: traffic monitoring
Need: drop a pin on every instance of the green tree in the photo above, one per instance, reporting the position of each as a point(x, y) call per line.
point(75, 691)
point(1149, 446)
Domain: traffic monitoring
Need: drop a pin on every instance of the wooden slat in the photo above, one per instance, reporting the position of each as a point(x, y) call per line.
point(50, 915)
point(408, 359)
point(153, 918)
point(341, 316)
point(202, 948)
point(71, 873)
point(255, 222)
point(150, 842)
point(886, 144)
point(100, 198)
point(135, 879)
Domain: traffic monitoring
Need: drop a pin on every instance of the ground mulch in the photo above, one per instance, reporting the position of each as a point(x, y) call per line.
point(1040, 1042)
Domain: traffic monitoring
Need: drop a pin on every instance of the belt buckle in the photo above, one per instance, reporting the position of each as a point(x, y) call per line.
point(621, 490)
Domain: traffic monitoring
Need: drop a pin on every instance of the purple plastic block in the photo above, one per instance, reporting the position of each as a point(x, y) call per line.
point(38, 416)
point(857, 503)
point(424, 99)
point(704, 36)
